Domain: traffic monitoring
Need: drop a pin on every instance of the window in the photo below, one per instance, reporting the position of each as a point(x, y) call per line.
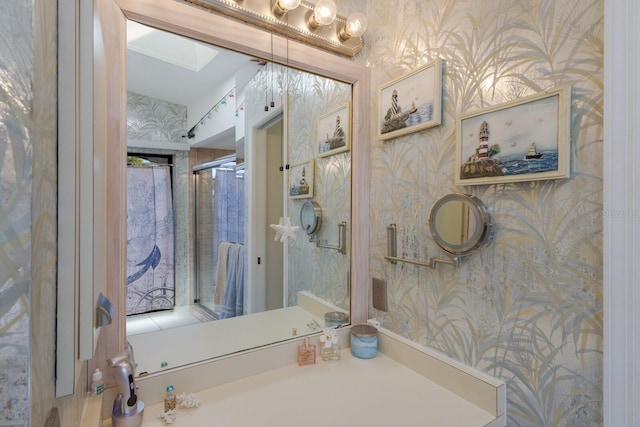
point(150, 234)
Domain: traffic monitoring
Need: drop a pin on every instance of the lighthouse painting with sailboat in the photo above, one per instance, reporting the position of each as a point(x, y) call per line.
point(398, 117)
point(411, 102)
point(517, 140)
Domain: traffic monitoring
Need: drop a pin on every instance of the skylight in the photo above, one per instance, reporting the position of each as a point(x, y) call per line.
point(180, 51)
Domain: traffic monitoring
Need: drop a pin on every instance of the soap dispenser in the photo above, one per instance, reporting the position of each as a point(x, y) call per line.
point(127, 410)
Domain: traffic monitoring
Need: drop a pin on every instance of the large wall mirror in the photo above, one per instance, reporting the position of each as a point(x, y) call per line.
point(186, 144)
point(210, 133)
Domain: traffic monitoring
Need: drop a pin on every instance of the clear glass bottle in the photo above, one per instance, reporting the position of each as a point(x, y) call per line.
point(170, 399)
point(330, 353)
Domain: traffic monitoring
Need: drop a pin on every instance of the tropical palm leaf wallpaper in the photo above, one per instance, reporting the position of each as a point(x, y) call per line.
point(28, 185)
point(16, 183)
point(154, 120)
point(528, 307)
point(319, 271)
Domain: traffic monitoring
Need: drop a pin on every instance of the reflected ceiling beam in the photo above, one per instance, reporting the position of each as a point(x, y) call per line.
point(303, 23)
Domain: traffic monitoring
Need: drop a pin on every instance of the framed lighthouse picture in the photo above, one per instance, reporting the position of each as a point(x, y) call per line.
point(332, 132)
point(523, 140)
point(412, 102)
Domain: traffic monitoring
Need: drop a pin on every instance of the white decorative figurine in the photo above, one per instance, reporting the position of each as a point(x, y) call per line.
point(285, 230)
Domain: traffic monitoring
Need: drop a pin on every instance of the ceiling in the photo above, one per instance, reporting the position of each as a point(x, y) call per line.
point(154, 73)
point(179, 70)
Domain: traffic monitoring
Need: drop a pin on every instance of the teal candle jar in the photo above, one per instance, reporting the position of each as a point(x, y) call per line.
point(334, 319)
point(364, 341)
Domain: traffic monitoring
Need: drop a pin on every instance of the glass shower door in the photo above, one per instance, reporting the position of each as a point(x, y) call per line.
point(219, 229)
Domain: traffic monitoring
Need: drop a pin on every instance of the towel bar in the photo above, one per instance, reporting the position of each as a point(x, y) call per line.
point(342, 239)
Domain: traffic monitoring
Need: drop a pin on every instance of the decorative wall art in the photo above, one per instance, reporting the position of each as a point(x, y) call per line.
point(333, 133)
point(524, 140)
point(301, 180)
point(411, 102)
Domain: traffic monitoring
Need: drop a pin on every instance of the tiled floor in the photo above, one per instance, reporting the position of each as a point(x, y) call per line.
point(179, 316)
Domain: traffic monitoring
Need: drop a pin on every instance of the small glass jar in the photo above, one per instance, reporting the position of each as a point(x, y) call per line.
point(333, 319)
point(364, 341)
point(330, 353)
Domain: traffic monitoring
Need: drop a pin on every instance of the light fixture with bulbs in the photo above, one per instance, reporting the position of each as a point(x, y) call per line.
point(317, 24)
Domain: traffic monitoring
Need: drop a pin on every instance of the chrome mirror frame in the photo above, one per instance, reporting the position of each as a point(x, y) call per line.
point(483, 230)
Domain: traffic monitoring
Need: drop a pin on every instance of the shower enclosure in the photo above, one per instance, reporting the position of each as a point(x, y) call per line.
point(220, 255)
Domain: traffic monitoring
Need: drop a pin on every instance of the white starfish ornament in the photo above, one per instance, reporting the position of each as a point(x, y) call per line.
point(285, 230)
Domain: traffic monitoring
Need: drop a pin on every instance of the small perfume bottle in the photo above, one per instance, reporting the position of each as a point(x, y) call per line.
point(331, 352)
point(306, 353)
point(329, 346)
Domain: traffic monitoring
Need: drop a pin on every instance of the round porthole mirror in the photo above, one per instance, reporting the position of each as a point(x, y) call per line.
point(460, 223)
point(310, 217)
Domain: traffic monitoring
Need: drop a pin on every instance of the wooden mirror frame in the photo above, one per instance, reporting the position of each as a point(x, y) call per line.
point(109, 113)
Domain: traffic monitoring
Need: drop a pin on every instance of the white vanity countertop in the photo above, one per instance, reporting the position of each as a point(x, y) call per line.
point(347, 392)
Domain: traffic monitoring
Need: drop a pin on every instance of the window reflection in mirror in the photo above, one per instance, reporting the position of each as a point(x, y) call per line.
point(150, 234)
point(205, 106)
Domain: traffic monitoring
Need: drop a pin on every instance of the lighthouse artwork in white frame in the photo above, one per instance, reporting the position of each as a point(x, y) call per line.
point(333, 133)
point(412, 102)
point(523, 140)
point(301, 177)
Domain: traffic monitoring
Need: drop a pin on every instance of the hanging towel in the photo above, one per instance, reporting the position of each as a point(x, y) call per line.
point(233, 304)
point(229, 303)
point(221, 275)
point(240, 289)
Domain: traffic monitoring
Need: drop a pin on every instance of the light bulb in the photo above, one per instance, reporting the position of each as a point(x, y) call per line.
point(356, 24)
point(281, 7)
point(289, 4)
point(325, 12)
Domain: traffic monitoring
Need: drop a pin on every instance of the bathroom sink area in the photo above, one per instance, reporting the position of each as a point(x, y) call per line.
point(404, 385)
point(350, 391)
